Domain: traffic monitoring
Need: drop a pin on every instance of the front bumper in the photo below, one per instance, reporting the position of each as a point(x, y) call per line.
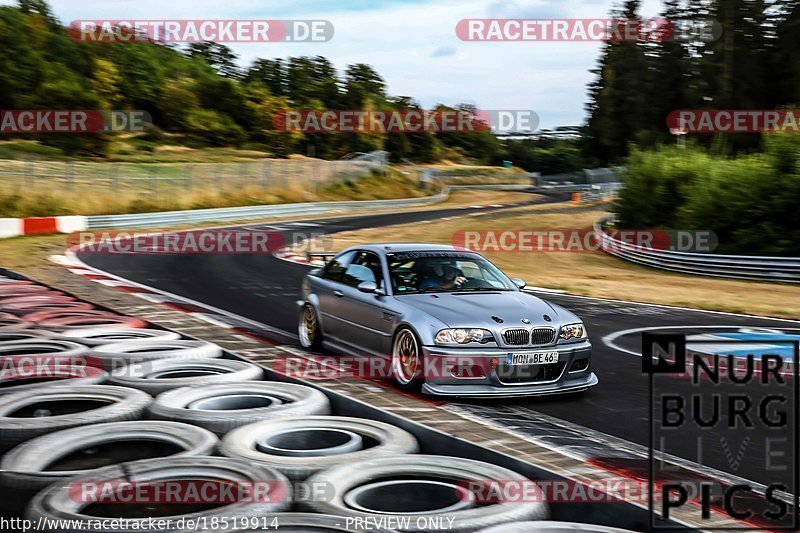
point(481, 372)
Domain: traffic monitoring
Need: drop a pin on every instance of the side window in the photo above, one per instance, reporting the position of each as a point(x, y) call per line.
point(365, 267)
point(337, 266)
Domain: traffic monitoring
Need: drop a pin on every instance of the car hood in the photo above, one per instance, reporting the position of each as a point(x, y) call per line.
point(477, 309)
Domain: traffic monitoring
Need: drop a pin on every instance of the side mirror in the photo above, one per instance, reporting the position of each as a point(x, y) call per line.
point(316, 272)
point(367, 286)
point(519, 283)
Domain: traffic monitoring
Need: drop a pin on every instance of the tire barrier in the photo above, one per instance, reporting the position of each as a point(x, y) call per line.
point(58, 501)
point(24, 415)
point(14, 335)
point(110, 335)
point(68, 428)
point(113, 357)
point(30, 363)
point(7, 291)
point(10, 322)
point(37, 347)
point(545, 526)
point(427, 486)
point(36, 299)
point(301, 523)
point(24, 308)
point(48, 294)
point(162, 375)
point(300, 447)
point(223, 407)
point(65, 319)
point(72, 376)
point(39, 462)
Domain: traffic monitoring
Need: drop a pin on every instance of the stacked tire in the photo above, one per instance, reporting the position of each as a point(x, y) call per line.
point(152, 409)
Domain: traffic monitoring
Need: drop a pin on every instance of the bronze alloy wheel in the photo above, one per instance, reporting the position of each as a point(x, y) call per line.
point(308, 329)
point(407, 363)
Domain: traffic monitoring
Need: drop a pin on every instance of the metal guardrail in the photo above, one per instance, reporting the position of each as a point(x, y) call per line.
point(763, 268)
point(225, 214)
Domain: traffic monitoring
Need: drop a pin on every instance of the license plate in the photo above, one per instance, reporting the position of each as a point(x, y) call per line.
point(536, 358)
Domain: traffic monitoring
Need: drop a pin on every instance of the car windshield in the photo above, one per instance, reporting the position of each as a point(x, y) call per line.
point(415, 272)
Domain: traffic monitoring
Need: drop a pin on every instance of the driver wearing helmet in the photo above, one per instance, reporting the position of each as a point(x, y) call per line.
point(446, 276)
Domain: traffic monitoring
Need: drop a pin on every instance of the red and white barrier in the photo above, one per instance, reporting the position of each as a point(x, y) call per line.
point(15, 227)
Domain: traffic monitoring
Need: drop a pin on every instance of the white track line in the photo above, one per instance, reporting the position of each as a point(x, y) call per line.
point(610, 339)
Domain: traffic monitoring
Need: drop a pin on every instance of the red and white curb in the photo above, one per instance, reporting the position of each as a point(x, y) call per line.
point(17, 227)
point(290, 255)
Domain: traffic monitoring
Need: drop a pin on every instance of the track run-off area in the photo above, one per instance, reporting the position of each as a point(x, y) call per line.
point(609, 421)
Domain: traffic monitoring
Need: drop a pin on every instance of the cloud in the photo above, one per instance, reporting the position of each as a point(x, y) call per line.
point(444, 51)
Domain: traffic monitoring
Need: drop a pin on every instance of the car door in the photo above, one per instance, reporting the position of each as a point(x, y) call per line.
point(362, 313)
point(329, 289)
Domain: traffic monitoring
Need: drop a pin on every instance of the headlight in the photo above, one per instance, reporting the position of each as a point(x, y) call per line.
point(572, 331)
point(464, 336)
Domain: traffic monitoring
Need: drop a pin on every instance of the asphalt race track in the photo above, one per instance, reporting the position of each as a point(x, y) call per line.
point(264, 288)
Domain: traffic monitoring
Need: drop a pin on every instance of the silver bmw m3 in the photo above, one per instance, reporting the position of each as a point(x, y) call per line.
point(445, 321)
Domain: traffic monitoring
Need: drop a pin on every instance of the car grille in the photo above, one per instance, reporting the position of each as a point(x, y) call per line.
point(518, 374)
point(542, 335)
point(524, 337)
point(516, 337)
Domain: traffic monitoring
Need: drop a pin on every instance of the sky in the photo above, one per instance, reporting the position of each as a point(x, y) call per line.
point(413, 45)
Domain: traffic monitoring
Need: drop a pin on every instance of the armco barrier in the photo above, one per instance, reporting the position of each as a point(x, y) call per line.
point(225, 214)
point(763, 268)
point(14, 227)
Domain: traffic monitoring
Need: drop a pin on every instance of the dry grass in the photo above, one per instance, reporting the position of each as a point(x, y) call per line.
point(458, 174)
point(594, 274)
point(24, 199)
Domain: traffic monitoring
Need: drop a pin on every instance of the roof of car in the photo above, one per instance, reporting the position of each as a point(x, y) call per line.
point(391, 247)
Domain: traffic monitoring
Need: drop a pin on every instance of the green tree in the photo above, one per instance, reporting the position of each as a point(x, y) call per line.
point(178, 99)
point(362, 82)
point(220, 57)
point(271, 73)
point(106, 82)
point(618, 97)
point(211, 127)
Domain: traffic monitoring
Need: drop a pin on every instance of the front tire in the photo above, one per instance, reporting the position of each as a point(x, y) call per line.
point(408, 363)
point(308, 329)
